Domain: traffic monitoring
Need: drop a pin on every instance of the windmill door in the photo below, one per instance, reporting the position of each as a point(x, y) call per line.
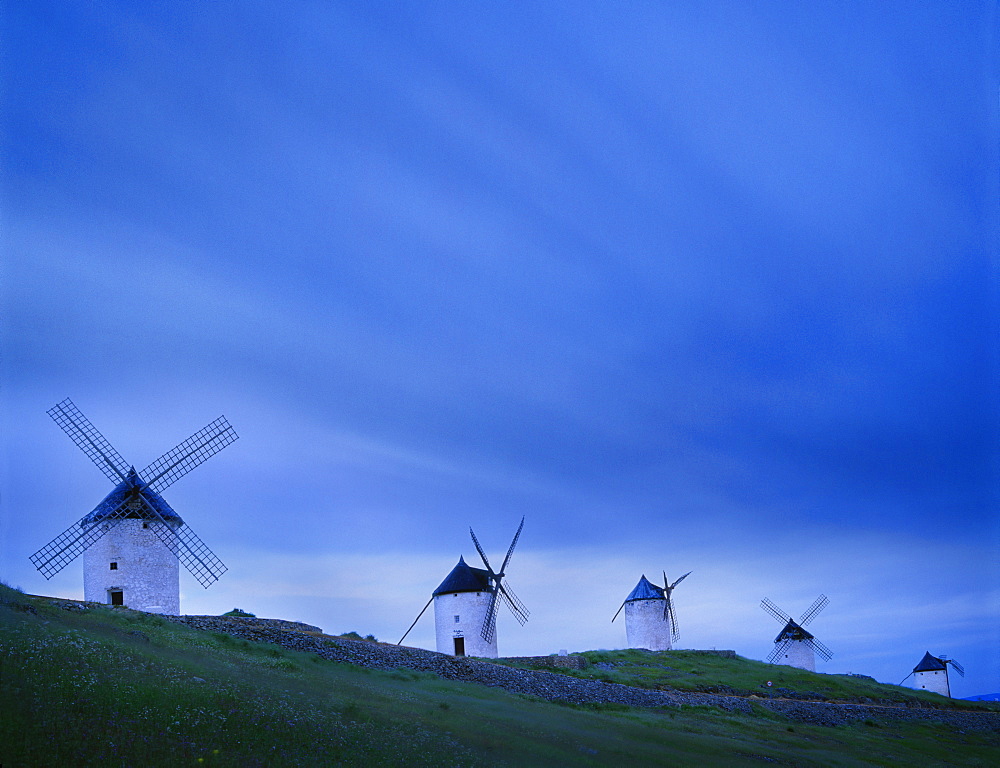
point(117, 597)
point(459, 646)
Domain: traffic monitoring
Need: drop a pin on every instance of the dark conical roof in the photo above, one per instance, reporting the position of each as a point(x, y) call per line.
point(464, 578)
point(645, 590)
point(130, 486)
point(929, 663)
point(793, 631)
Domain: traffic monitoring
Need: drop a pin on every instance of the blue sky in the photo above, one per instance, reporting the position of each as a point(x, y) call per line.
point(708, 289)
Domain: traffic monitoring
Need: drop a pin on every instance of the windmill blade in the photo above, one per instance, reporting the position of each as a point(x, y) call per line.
point(89, 440)
point(958, 667)
point(775, 611)
point(416, 620)
point(813, 610)
point(678, 580)
point(177, 462)
point(675, 632)
point(71, 543)
point(479, 549)
point(490, 622)
point(193, 553)
point(819, 648)
point(513, 543)
point(514, 603)
point(618, 611)
point(779, 649)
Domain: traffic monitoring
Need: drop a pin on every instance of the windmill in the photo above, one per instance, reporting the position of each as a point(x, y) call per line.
point(466, 605)
point(132, 541)
point(795, 646)
point(931, 674)
point(650, 618)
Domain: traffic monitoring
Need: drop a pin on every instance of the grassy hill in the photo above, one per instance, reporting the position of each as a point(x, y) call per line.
point(705, 672)
point(116, 687)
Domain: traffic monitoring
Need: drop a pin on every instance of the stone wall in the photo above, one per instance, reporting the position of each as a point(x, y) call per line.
point(571, 661)
point(713, 652)
point(252, 622)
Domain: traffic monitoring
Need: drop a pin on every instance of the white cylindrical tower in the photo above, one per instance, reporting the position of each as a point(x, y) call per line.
point(798, 653)
point(646, 625)
point(931, 674)
point(130, 565)
point(461, 603)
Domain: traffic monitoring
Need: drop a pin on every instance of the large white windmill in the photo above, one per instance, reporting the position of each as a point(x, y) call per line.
point(650, 618)
point(465, 606)
point(795, 646)
point(132, 541)
point(931, 674)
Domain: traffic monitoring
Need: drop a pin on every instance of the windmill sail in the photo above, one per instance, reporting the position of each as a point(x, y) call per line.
point(89, 440)
point(500, 590)
point(820, 649)
point(669, 614)
point(135, 497)
point(794, 632)
point(812, 611)
point(69, 545)
point(775, 611)
point(176, 463)
point(777, 651)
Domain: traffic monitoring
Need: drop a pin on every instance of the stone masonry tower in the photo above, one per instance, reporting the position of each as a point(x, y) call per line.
point(931, 674)
point(461, 605)
point(131, 565)
point(645, 622)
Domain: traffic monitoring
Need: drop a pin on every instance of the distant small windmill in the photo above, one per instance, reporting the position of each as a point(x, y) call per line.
point(132, 541)
point(931, 674)
point(795, 646)
point(650, 618)
point(466, 604)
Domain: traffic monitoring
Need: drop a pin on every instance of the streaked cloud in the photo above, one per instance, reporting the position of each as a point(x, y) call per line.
point(706, 287)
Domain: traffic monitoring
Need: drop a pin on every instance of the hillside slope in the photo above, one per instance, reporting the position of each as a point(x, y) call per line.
point(87, 685)
point(636, 678)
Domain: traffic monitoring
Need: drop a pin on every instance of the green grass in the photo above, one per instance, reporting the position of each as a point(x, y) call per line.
point(694, 671)
point(116, 687)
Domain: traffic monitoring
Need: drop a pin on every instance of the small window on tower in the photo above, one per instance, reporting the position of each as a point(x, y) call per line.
point(456, 618)
point(145, 525)
point(114, 566)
